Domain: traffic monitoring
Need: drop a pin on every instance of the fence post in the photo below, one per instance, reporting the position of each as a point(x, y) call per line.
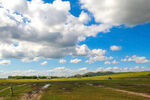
point(11, 90)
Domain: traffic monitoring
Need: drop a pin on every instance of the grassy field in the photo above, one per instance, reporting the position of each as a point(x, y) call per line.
point(87, 88)
point(81, 91)
point(128, 75)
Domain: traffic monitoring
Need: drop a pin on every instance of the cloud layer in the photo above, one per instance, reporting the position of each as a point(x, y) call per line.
point(5, 62)
point(75, 60)
point(115, 48)
point(118, 12)
point(136, 59)
point(42, 30)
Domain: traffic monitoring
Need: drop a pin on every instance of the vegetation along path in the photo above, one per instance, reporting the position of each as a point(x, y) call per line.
point(124, 91)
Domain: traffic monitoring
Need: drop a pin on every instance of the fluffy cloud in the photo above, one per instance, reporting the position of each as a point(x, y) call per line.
point(113, 62)
point(98, 58)
point(83, 69)
point(44, 63)
point(18, 5)
point(75, 60)
point(62, 61)
point(84, 17)
point(107, 62)
point(117, 12)
point(97, 55)
point(115, 48)
point(5, 62)
point(125, 69)
point(136, 59)
point(82, 50)
point(93, 55)
point(124, 60)
point(30, 24)
point(59, 71)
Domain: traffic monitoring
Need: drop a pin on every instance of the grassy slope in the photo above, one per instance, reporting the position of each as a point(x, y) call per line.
point(76, 89)
point(18, 91)
point(80, 91)
point(131, 81)
point(105, 77)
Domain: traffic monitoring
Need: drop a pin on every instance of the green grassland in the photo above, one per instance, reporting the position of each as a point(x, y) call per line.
point(78, 88)
point(81, 91)
point(128, 75)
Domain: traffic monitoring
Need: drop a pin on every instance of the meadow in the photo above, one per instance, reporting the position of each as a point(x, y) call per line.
point(122, 86)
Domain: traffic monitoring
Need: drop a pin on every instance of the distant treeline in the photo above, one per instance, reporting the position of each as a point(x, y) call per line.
point(90, 74)
point(32, 77)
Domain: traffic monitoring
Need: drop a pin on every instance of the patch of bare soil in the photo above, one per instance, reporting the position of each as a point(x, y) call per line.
point(35, 94)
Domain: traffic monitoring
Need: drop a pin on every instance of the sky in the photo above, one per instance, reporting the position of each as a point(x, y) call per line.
point(68, 37)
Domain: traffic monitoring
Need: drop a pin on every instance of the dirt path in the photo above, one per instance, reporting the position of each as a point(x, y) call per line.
point(35, 94)
point(1, 98)
point(125, 91)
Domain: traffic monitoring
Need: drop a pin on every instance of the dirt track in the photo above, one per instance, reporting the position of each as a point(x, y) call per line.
point(124, 91)
point(129, 92)
point(35, 94)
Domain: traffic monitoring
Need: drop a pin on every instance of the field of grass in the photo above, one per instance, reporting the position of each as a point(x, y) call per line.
point(78, 89)
point(128, 75)
point(19, 90)
point(81, 91)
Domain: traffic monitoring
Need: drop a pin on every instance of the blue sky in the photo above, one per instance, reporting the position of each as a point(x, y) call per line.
point(85, 35)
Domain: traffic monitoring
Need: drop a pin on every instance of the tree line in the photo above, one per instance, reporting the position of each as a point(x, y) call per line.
point(32, 77)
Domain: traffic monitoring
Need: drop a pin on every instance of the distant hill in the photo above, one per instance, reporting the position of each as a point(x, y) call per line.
point(90, 74)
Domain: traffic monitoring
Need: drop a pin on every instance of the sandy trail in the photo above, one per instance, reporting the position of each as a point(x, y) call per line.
point(124, 91)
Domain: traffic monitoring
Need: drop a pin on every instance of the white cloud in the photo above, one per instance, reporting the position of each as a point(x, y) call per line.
point(62, 61)
point(83, 69)
point(125, 69)
point(59, 71)
point(75, 60)
point(82, 50)
point(116, 68)
point(108, 69)
point(107, 62)
point(124, 60)
point(98, 58)
point(44, 63)
point(113, 62)
point(99, 69)
point(63, 71)
point(84, 17)
point(136, 59)
point(36, 59)
point(93, 55)
point(117, 12)
point(97, 55)
point(42, 30)
point(18, 5)
point(5, 62)
point(115, 48)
